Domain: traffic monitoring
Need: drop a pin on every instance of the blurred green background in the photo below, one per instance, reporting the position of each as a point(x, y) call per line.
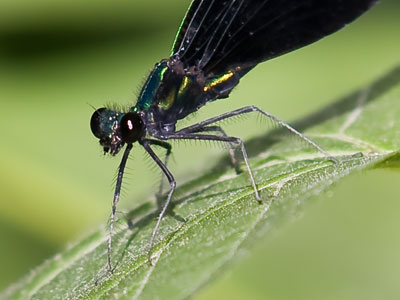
point(56, 58)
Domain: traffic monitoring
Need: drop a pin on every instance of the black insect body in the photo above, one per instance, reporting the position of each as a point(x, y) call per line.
point(217, 43)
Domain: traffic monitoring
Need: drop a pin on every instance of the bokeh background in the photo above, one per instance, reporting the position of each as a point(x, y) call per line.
point(59, 58)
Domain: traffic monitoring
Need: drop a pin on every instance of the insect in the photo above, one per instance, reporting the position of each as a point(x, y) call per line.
point(218, 42)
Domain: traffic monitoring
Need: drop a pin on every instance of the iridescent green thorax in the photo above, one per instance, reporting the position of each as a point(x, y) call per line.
point(170, 89)
point(150, 88)
point(173, 91)
point(176, 93)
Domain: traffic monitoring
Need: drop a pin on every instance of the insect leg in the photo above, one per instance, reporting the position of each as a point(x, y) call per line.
point(167, 147)
point(225, 139)
point(223, 133)
point(249, 109)
point(146, 144)
point(115, 202)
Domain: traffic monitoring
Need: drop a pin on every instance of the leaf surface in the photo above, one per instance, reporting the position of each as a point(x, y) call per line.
point(216, 215)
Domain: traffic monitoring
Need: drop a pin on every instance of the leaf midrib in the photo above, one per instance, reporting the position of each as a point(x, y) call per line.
point(160, 248)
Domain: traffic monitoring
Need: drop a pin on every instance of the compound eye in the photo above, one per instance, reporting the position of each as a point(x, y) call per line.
point(131, 127)
point(95, 123)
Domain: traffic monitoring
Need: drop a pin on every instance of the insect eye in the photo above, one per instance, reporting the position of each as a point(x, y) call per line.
point(131, 128)
point(95, 123)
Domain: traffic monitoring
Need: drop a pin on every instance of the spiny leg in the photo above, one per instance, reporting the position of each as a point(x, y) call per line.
point(167, 147)
point(226, 139)
point(223, 133)
point(146, 144)
point(249, 109)
point(115, 202)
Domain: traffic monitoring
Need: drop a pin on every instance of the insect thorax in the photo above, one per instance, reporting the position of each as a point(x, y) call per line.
point(172, 92)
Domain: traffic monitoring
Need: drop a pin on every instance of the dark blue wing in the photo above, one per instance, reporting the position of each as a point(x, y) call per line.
point(218, 35)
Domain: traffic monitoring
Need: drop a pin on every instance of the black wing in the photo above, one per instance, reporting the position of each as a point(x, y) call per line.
point(219, 35)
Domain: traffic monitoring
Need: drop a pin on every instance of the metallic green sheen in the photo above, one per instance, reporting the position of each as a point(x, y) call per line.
point(149, 90)
point(180, 29)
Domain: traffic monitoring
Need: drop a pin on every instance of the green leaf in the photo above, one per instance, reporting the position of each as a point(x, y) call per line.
point(216, 215)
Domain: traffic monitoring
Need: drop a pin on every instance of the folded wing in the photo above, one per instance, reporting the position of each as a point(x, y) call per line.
point(218, 35)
